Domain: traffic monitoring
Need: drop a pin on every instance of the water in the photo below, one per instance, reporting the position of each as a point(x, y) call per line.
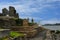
point(53, 27)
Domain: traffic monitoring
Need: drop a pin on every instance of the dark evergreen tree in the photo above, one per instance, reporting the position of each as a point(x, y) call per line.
point(32, 20)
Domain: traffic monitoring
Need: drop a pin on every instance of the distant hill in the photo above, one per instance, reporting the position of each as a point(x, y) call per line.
point(51, 24)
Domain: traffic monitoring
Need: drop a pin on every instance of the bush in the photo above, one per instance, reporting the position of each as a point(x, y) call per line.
point(57, 31)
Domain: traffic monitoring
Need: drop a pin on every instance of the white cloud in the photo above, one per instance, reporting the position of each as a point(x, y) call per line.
point(24, 7)
point(50, 21)
point(35, 18)
point(21, 8)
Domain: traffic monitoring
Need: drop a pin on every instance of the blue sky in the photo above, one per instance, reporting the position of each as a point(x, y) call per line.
point(43, 11)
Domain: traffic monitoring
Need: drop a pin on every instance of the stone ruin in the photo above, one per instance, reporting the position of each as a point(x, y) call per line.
point(9, 18)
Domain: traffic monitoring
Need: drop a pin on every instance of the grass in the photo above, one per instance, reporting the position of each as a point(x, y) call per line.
point(13, 34)
point(16, 34)
point(4, 38)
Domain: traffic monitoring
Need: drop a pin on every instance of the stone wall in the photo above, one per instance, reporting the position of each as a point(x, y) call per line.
point(7, 23)
point(29, 30)
point(25, 22)
point(11, 12)
point(4, 32)
point(5, 11)
point(6, 15)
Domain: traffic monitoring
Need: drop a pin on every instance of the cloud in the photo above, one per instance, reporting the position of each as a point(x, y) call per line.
point(50, 21)
point(26, 8)
point(35, 18)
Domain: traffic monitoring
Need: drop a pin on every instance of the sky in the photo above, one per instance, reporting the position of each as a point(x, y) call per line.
point(42, 11)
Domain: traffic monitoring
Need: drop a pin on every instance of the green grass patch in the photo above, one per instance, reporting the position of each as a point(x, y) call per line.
point(16, 34)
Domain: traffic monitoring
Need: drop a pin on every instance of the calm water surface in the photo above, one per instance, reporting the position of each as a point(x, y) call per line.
point(52, 27)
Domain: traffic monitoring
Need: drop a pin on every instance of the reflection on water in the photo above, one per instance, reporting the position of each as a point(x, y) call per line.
point(52, 27)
